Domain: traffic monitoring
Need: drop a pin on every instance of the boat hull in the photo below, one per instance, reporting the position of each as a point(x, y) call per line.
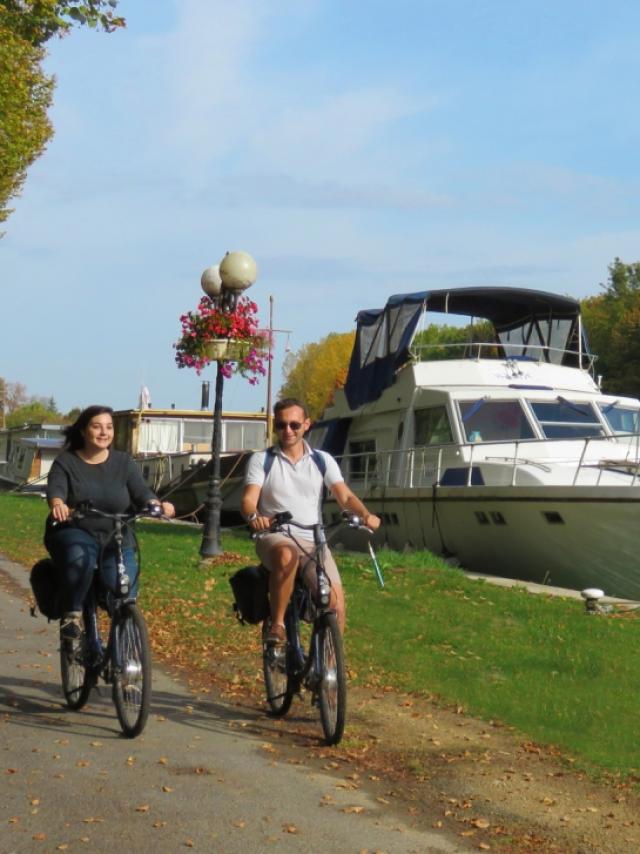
point(566, 537)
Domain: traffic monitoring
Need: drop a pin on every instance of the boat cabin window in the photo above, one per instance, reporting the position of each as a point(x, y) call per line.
point(432, 426)
point(236, 435)
point(363, 463)
point(494, 421)
point(244, 435)
point(621, 419)
point(565, 419)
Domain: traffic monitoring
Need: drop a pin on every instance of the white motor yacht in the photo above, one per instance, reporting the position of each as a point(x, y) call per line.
point(502, 453)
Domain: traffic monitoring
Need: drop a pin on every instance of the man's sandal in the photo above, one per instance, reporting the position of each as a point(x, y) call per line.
point(277, 635)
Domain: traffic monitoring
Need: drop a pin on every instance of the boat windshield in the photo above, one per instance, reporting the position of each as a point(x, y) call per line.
point(494, 420)
point(432, 426)
point(566, 419)
point(621, 419)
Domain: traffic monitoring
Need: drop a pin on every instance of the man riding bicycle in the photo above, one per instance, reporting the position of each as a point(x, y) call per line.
point(290, 477)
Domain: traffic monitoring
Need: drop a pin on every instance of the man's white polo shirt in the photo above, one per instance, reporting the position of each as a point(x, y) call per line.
point(296, 487)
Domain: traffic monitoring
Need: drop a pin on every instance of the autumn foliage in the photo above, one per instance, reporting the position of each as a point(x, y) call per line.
point(315, 372)
point(612, 321)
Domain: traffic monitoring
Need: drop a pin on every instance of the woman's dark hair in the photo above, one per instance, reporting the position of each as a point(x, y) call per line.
point(74, 440)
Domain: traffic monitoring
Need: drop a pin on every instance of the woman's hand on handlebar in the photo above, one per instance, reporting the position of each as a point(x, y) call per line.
point(161, 508)
point(168, 509)
point(60, 512)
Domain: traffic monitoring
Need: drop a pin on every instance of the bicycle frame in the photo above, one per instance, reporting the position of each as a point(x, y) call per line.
point(124, 660)
point(100, 656)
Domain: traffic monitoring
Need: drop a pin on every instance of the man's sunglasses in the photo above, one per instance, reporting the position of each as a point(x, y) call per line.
point(294, 425)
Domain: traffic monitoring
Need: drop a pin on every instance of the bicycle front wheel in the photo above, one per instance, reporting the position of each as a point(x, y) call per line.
point(277, 680)
point(132, 670)
point(332, 688)
point(77, 680)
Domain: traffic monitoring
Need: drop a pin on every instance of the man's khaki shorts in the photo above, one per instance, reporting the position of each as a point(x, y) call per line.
point(267, 543)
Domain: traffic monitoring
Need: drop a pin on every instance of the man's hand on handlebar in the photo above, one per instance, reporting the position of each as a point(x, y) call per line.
point(369, 521)
point(259, 523)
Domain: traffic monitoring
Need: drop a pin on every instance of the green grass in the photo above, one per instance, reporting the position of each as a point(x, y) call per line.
point(537, 663)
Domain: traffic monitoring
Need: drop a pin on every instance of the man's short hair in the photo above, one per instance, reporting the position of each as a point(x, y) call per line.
point(287, 403)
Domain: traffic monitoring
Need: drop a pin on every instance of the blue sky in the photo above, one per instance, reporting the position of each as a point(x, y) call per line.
point(355, 149)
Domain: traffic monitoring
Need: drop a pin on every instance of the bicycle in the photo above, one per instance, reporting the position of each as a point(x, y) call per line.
point(123, 660)
point(321, 670)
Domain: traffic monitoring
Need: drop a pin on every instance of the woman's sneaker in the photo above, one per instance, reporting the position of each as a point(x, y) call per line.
point(70, 628)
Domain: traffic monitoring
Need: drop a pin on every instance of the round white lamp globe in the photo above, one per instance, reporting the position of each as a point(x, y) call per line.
point(211, 281)
point(238, 271)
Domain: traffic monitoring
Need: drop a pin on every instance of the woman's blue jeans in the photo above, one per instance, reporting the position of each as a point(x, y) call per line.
point(75, 554)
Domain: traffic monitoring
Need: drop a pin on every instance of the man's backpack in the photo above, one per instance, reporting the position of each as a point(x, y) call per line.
point(250, 587)
point(270, 455)
point(45, 584)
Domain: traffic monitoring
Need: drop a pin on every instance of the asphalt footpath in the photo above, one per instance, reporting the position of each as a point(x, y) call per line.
point(203, 775)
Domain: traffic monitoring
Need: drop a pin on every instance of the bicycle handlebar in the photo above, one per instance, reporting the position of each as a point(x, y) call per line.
point(286, 518)
point(351, 519)
point(85, 508)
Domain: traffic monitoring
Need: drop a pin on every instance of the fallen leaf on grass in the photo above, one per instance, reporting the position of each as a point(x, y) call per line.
point(290, 828)
point(142, 808)
point(353, 809)
point(39, 837)
point(167, 789)
point(159, 824)
point(481, 823)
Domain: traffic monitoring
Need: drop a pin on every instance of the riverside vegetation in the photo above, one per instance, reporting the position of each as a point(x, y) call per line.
point(533, 662)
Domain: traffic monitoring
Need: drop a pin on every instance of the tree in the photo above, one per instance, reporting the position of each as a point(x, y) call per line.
point(439, 341)
point(36, 21)
point(317, 370)
point(25, 90)
point(72, 414)
point(15, 395)
point(25, 95)
point(34, 412)
point(612, 321)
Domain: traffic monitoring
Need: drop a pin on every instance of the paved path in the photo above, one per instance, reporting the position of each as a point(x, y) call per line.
point(203, 775)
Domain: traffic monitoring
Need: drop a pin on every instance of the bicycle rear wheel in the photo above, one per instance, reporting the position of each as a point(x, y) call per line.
point(77, 680)
point(277, 680)
point(132, 670)
point(332, 687)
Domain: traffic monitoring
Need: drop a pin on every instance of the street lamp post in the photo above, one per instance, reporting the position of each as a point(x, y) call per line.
point(223, 283)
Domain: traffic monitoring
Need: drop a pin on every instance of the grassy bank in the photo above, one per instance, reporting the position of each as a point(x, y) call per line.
point(534, 662)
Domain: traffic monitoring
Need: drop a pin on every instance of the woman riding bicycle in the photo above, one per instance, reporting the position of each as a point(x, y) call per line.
point(294, 481)
point(89, 470)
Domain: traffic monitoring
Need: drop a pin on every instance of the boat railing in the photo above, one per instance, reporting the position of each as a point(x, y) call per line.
point(452, 464)
point(541, 353)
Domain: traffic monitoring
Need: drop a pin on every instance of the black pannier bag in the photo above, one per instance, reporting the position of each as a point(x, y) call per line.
point(46, 588)
point(250, 587)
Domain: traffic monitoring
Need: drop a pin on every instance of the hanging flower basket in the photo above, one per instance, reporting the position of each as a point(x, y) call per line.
point(226, 349)
point(211, 333)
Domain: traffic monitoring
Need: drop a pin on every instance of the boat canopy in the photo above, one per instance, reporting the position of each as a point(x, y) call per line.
point(527, 324)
